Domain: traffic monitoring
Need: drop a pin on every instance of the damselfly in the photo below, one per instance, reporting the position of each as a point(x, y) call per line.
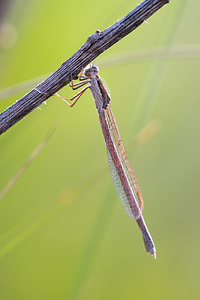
point(122, 173)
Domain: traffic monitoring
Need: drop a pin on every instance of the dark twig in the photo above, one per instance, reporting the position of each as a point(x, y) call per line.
point(96, 44)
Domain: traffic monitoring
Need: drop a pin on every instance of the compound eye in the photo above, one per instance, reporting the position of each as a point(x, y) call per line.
point(91, 71)
point(96, 69)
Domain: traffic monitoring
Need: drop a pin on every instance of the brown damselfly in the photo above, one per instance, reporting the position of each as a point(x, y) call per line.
point(122, 173)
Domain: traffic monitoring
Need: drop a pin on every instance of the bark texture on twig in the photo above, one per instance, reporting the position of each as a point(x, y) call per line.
point(96, 44)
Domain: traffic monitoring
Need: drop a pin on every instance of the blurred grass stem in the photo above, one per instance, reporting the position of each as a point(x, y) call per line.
point(31, 158)
point(141, 55)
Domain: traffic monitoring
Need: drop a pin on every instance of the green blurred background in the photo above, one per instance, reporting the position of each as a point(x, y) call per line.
point(64, 233)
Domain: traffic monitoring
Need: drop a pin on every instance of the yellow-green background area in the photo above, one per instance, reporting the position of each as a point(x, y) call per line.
point(64, 233)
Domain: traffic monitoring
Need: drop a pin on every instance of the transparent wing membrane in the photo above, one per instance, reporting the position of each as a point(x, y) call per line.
point(119, 187)
point(110, 119)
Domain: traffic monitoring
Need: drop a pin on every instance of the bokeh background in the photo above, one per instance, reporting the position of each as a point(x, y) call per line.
point(64, 233)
